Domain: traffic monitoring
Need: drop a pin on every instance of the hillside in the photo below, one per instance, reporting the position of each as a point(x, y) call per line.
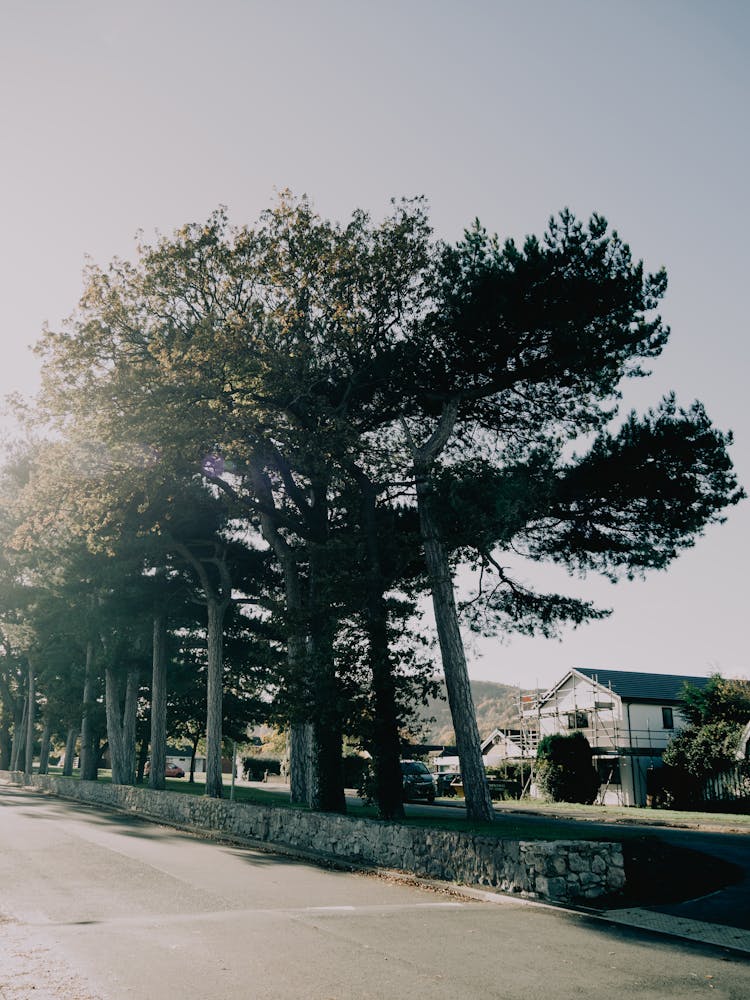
point(496, 705)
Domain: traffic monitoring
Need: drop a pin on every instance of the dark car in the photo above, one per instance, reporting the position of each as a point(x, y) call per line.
point(417, 781)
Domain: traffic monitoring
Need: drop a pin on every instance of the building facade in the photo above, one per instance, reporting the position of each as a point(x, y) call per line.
point(628, 718)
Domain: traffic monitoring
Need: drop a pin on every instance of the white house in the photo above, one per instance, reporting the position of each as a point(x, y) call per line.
point(509, 744)
point(501, 745)
point(628, 717)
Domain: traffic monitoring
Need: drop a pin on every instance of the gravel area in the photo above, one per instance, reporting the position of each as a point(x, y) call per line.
point(31, 969)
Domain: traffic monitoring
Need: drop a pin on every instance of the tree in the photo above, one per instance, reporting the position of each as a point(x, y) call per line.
point(342, 370)
point(721, 699)
point(564, 770)
point(717, 714)
point(529, 347)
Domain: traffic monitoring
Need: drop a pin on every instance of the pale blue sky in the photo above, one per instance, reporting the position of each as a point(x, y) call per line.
point(144, 115)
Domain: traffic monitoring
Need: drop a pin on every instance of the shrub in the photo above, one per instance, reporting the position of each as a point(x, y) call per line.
point(704, 751)
point(564, 770)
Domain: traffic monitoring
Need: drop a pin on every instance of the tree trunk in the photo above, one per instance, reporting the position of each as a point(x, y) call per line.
point(159, 701)
point(386, 742)
point(468, 744)
point(19, 736)
point(89, 754)
point(218, 598)
point(114, 733)
point(129, 724)
point(324, 688)
point(121, 719)
point(30, 722)
point(196, 740)
point(5, 745)
point(70, 751)
point(142, 758)
point(44, 748)
point(303, 767)
point(330, 764)
point(320, 667)
point(214, 696)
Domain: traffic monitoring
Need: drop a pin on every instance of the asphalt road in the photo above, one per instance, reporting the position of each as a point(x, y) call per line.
point(100, 904)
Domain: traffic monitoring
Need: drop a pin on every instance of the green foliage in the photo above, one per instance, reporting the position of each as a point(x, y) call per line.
point(564, 771)
point(720, 700)
point(717, 714)
point(704, 751)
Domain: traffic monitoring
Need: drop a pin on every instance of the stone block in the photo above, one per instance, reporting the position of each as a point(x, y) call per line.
point(578, 862)
point(551, 888)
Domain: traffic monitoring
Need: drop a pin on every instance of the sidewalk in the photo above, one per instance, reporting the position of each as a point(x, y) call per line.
point(680, 927)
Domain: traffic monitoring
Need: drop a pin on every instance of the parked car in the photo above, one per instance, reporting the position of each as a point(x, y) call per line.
point(417, 781)
point(170, 771)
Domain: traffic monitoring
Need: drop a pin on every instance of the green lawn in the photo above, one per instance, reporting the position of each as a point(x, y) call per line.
point(514, 821)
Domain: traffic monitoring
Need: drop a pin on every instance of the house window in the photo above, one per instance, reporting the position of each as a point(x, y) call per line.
point(578, 720)
point(667, 718)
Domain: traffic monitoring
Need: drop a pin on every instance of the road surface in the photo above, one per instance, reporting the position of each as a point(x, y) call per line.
point(98, 904)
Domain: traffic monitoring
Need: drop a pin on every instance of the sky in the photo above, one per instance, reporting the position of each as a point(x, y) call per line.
point(120, 117)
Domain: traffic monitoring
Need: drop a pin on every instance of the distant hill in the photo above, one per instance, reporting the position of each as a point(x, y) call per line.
point(496, 705)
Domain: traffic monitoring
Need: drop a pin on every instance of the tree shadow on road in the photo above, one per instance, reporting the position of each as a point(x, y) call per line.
point(658, 873)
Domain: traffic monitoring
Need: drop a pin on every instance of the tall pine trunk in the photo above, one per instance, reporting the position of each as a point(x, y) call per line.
point(6, 744)
point(30, 720)
point(44, 748)
point(159, 701)
point(304, 787)
point(303, 766)
point(89, 753)
point(468, 743)
point(196, 741)
point(386, 742)
point(121, 723)
point(19, 735)
point(142, 758)
point(218, 597)
point(214, 696)
point(70, 751)
point(320, 668)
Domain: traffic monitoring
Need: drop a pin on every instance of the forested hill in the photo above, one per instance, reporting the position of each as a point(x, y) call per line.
point(496, 705)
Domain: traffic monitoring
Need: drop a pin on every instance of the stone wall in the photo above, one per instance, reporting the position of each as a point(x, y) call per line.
point(566, 871)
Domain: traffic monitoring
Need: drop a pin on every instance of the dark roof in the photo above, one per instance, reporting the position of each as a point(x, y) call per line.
point(636, 685)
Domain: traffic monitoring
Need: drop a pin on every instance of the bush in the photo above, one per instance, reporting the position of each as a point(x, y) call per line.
point(704, 751)
point(564, 770)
